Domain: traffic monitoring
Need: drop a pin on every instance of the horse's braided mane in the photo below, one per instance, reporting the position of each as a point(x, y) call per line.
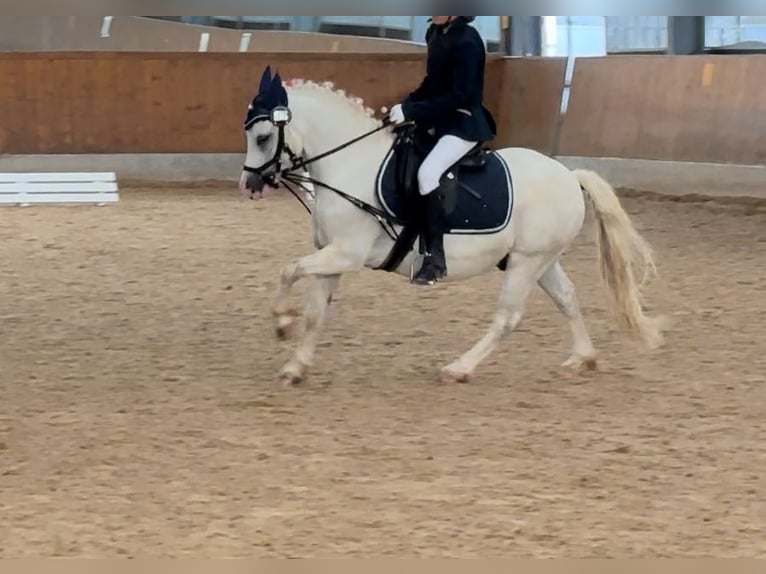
point(328, 87)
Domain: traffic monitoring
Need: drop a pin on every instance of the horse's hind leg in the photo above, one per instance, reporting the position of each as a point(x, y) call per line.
point(561, 290)
point(520, 278)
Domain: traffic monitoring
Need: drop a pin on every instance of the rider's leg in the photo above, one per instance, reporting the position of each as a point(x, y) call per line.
point(448, 150)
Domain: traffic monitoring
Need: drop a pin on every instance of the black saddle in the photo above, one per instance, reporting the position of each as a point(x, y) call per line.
point(410, 150)
point(476, 191)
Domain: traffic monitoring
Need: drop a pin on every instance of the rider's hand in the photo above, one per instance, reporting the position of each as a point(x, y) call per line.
point(397, 114)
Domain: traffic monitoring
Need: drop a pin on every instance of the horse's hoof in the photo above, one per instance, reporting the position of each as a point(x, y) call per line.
point(450, 377)
point(285, 319)
point(284, 328)
point(580, 364)
point(284, 334)
point(290, 379)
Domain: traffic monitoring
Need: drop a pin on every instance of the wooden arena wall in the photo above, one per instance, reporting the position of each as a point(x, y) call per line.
point(688, 108)
point(133, 102)
point(707, 108)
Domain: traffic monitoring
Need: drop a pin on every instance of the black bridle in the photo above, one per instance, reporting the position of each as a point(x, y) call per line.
point(280, 117)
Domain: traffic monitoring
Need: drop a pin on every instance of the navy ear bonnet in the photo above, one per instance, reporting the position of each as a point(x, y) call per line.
point(271, 94)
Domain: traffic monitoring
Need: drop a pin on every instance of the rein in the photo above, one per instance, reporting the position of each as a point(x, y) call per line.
point(383, 218)
point(304, 162)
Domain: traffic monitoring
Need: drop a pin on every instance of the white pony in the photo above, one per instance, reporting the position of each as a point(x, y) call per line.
point(303, 119)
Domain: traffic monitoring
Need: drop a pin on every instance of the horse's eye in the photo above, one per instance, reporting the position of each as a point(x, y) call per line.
point(262, 140)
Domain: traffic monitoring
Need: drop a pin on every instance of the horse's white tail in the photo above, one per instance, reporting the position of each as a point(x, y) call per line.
point(621, 248)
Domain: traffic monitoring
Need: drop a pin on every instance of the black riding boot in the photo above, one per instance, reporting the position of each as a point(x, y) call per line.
point(434, 265)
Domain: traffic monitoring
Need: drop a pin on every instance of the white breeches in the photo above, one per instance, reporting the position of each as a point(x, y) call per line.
point(447, 151)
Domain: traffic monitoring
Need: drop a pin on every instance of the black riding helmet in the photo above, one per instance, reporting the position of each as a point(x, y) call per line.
point(464, 18)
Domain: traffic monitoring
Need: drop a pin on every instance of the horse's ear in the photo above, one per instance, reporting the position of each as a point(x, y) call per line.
point(278, 90)
point(266, 81)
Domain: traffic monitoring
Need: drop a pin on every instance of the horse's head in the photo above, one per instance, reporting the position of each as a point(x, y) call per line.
point(268, 116)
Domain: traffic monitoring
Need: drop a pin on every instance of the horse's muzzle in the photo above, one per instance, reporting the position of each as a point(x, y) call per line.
point(256, 184)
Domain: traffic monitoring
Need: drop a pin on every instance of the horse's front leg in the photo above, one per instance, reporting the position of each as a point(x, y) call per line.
point(318, 299)
point(327, 265)
point(285, 314)
point(330, 260)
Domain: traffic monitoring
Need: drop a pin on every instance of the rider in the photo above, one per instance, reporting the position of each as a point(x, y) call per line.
point(448, 103)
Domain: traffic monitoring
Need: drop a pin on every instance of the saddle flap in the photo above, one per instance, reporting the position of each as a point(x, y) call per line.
point(407, 160)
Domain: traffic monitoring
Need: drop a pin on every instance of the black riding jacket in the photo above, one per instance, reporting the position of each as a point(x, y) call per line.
point(450, 98)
